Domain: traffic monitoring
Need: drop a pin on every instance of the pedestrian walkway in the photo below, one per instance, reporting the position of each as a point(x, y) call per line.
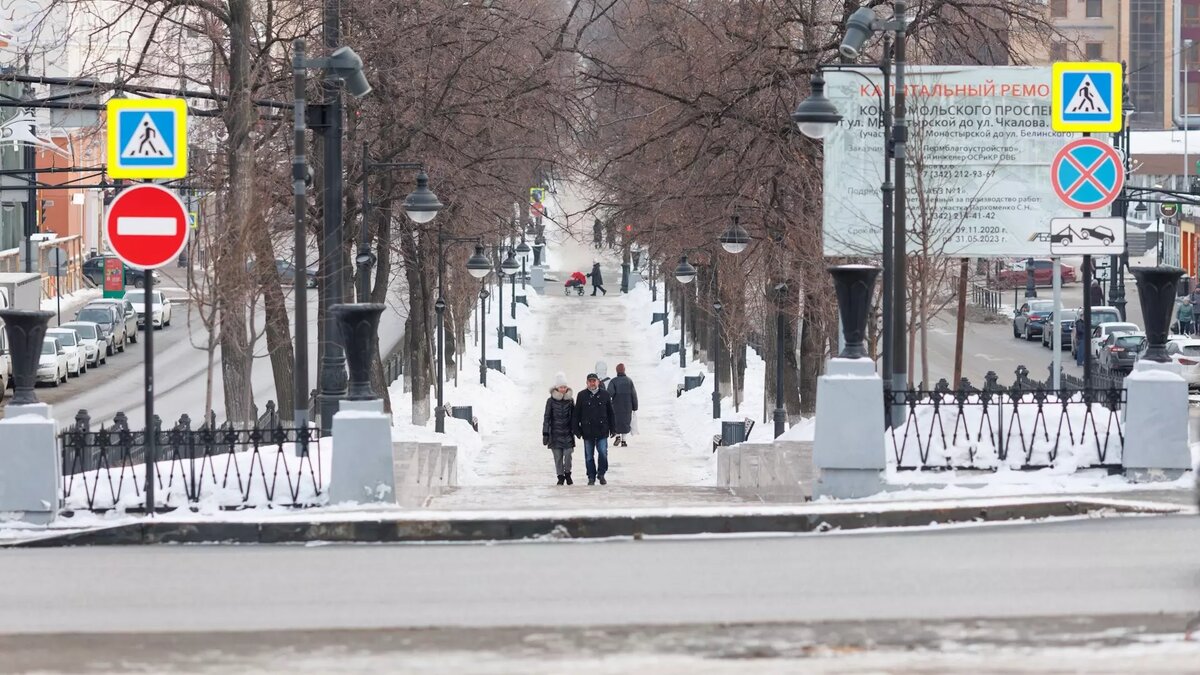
point(570, 334)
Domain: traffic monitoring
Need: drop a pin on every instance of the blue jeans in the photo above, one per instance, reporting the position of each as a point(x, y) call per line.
point(600, 447)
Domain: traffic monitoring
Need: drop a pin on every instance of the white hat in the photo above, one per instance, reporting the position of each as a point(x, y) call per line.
point(560, 379)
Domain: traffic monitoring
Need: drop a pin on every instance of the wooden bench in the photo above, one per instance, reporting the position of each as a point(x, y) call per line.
point(718, 440)
point(680, 388)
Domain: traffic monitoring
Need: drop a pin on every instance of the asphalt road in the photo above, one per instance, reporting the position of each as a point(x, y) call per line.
point(1106, 567)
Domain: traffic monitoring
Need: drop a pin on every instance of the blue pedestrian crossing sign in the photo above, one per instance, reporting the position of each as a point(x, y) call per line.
point(147, 138)
point(1086, 97)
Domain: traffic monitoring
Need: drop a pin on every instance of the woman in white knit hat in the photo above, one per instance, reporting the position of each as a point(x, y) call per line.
point(558, 431)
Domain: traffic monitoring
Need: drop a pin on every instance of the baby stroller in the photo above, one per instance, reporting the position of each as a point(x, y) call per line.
point(577, 282)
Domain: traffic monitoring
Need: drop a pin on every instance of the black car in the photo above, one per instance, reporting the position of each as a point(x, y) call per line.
point(1030, 317)
point(111, 325)
point(1120, 351)
point(93, 269)
point(1066, 325)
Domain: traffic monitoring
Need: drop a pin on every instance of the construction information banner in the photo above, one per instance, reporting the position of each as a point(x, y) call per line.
point(979, 154)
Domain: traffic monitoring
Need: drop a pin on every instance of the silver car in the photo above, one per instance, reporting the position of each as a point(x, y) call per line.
point(95, 346)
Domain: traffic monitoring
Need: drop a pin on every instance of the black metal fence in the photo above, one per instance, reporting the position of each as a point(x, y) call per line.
point(1023, 426)
point(221, 466)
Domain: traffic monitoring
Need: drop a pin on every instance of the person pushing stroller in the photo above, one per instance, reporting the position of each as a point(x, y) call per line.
point(576, 281)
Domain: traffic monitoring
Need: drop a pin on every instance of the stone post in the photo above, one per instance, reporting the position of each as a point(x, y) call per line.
point(1156, 408)
point(30, 464)
point(848, 448)
point(362, 469)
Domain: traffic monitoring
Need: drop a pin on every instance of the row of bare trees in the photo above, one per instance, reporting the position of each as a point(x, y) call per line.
point(673, 114)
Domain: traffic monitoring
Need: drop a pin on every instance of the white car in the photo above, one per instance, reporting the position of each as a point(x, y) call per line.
point(95, 345)
point(76, 352)
point(1101, 332)
point(52, 364)
point(160, 307)
point(1186, 352)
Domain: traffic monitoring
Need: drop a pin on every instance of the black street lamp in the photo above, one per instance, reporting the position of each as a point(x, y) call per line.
point(684, 274)
point(734, 240)
point(523, 251)
point(816, 117)
point(780, 414)
point(421, 205)
point(483, 296)
point(342, 66)
point(510, 268)
point(479, 267)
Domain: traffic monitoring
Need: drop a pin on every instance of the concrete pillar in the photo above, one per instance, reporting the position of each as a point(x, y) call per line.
point(362, 468)
point(848, 449)
point(537, 279)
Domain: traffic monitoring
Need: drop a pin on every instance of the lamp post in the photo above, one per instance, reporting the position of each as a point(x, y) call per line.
point(684, 273)
point(816, 117)
point(421, 205)
point(523, 250)
point(734, 240)
point(483, 296)
point(479, 267)
point(343, 65)
point(780, 415)
point(512, 276)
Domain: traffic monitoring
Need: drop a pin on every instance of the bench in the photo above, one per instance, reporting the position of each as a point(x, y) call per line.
point(466, 414)
point(495, 364)
point(719, 439)
point(690, 382)
point(670, 349)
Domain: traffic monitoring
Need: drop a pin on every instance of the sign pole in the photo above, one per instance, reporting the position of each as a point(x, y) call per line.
point(1056, 343)
point(151, 430)
point(58, 293)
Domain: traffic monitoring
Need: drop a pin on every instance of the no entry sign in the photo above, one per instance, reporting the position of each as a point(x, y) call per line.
point(1087, 174)
point(147, 226)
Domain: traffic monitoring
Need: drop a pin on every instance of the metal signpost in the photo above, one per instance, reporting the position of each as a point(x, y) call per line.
point(58, 268)
point(147, 227)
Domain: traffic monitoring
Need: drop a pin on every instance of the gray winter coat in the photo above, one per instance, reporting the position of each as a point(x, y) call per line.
point(597, 278)
point(624, 401)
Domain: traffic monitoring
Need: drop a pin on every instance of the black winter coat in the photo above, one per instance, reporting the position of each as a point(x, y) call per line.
point(594, 415)
point(558, 424)
point(597, 278)
point(624, 402)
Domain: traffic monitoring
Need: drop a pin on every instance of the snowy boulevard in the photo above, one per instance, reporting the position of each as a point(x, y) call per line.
point(1066, 572)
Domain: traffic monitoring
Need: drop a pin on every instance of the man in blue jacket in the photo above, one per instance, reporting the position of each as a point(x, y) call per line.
point(594, 422)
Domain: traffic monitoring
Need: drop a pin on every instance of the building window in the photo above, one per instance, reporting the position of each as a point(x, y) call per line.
point(1058, 9)
point(1058, 51)
point(1192, 58)
point(1095, 9)
point(1193, 97)
point(1191, 16)
point(1094, 51)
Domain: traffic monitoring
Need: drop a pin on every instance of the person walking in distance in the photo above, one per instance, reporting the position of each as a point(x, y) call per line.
point(594, 424)
point(597, 233)
point(1097, 294)
point(625, 404)
point(558, 430)
point(597, 279)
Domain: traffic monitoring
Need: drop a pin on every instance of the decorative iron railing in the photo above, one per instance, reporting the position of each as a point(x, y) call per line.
point(1023, 426)
point(225, 467)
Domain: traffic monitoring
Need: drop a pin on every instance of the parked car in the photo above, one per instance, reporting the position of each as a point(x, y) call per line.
point(52, 364)
point(160, 308)
point(1100, 314)
point(1121, 350)
point(5, 365)
point(1030, 317)
point(1101, 332)
point(93, 269)
point(92, 338)
point(1066, 323)
point(76, 352)
point(1043, 274)
point(111, 326)
point(1104, 234)
point(287, 272)
point(128, 315)
point(1185, 351)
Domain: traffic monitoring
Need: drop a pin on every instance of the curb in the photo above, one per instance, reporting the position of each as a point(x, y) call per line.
point(593, 526)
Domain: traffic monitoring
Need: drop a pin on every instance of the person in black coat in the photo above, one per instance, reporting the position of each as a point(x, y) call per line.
point(625, 403)
point(558, 427)
point(597, 279)
point(594, 423)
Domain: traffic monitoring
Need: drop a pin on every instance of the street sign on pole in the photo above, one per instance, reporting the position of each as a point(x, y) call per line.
point(1168, 209)
point(147, 138)
point(147, 226)
point(58, 268)
point(1087, 236)
point(1087, 174)
point(1085, 97)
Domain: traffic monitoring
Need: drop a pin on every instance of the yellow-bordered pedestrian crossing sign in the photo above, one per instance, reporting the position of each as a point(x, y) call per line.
point(1085, 97)
point(147, 138)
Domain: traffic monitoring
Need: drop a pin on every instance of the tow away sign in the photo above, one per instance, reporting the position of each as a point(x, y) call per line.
point(1087, 236)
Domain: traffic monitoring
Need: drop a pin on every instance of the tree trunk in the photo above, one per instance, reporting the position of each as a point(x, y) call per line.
point(812, 355)
point(279, 337)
